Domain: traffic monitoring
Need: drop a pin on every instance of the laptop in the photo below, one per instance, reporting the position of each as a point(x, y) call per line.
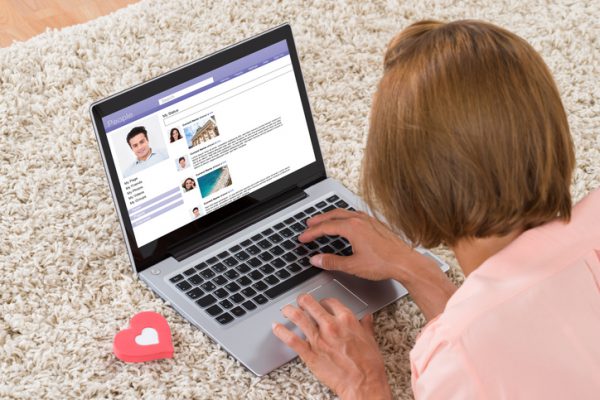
point(214, 169)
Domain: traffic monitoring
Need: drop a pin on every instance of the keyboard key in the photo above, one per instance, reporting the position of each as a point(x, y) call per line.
point(254, 262)
point(300, 251)
point(328, 209)
point(294, 281)
point(260, 299)
point(256, 237)
point(189, 272)
point(242, 268)
point(212, 260)
point(294, 267)
point(265, 256)
point(279, 226)
point(232, 287)
point(224, 319)
point(287, 232)
point(221, 293)
point(289, 257)
point(332, 198)
point(201, 266)
point(214, 310)
point(246, 243)
point(288, 244)
point(282, 274)
point(208, 286)
point(244, 281)
point(300, 215)
point(321, 204)
point(323, 240)
point(289, 221)
point(226, 304)
point(176, 278)
point(248, 292)
point(248, 305)
point(338, 244)
point(342, 204)
point(265, 244)
point(235, 249)
point(267, 269)
point(267, 231)
point(206, 301)
point(278, 263)
point(242, 255)
point(219, 267)
point(207, 273)
point(275, 238)
point(231, 274)
point(327, 249)
point(260, 286)
point(271, 280)
point(220, 280)
point(298, 227)
point(253, 250)
point(238, 311)
point(195, 293)
point(237, 298)
point(304, 262)
point(184, 285)
point(277, 250)
point(196, 280)
point(310, 210)
point(311, 245)
point(255, 275)
point(230, 262)
point(347, 251)
point(222, 255)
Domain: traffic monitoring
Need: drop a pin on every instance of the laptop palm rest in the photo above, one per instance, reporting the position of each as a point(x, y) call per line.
point(332, 289)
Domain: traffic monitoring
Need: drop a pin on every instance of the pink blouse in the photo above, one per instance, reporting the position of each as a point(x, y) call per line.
point(525, 324)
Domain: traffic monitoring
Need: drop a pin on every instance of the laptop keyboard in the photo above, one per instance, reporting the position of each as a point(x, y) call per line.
point(260, 268)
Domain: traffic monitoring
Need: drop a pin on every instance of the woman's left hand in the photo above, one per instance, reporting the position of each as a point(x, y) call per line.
point(340, 350)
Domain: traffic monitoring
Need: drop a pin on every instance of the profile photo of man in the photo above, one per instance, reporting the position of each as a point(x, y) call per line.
point(138, 142)
point(196, 212)
point(182, 163)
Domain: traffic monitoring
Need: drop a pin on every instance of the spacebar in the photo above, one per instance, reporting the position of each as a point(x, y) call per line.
point(292, 282)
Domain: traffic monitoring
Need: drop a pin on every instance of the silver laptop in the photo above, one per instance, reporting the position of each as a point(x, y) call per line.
point(214, 169)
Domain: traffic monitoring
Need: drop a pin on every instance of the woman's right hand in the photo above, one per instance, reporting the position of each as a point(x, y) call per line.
point(378, 253)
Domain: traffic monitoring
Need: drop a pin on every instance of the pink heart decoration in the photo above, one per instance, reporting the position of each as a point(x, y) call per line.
point(148, 337)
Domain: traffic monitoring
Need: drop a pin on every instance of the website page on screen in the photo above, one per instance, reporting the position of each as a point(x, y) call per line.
point(189, 151)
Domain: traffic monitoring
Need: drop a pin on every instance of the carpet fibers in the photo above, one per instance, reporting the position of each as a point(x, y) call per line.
point(66, 286)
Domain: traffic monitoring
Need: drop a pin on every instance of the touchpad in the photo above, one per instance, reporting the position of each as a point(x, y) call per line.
point(336, 290)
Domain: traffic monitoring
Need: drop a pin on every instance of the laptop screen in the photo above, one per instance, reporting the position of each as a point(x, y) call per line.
point(186, 152)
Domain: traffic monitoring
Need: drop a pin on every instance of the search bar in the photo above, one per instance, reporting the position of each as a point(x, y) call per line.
point(185, 91)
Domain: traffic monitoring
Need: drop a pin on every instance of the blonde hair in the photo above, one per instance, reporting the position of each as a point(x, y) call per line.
point(468, 136)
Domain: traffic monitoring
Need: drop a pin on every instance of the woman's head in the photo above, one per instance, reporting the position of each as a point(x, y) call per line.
point(189, 184)
point(468, 136)
point(175, 135)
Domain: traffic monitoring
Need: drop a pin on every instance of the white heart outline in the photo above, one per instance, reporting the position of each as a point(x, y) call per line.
point(148, 337)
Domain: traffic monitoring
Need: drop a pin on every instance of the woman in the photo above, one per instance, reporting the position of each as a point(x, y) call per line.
point(468, 147)
point(188, 184)
point(175, 135)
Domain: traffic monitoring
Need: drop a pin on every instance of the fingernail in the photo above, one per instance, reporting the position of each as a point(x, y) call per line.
point(273, 326)
point(317, 260)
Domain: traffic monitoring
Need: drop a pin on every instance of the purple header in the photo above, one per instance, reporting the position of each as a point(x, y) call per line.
point(219, 75)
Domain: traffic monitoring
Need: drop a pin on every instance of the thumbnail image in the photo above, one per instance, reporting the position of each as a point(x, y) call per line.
point(182, 163)
point(174, 135)
point(195, 212)
point(200, 131)
point(214, 181)
point(188, 184)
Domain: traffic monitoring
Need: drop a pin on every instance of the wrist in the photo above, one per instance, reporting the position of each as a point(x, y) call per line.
point(379, 390)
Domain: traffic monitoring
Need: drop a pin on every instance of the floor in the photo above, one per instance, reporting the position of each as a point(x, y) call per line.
point(23, 19)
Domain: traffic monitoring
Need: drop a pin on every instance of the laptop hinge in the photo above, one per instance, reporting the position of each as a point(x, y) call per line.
point(236, 223)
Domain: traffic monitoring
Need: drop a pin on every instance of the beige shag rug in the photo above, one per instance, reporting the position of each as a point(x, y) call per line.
point(66, 286)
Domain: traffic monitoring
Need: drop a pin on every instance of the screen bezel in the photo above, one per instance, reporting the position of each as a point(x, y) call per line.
point(149, 254)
